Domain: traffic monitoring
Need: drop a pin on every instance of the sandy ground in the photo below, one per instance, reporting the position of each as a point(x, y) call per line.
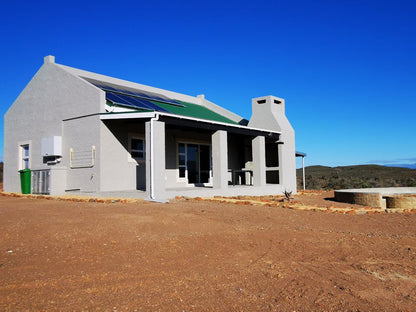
point(202, 256)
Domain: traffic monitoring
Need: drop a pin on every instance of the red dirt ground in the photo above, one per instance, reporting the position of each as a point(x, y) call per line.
point(202, 256)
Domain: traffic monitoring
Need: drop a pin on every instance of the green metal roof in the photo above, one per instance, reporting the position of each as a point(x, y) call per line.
point(141, 101)
point(194, 111)
point(187, 110)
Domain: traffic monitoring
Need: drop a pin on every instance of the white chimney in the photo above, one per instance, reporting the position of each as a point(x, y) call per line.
point(49, 59)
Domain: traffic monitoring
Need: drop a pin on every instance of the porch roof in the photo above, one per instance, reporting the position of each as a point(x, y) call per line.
point(192, 122)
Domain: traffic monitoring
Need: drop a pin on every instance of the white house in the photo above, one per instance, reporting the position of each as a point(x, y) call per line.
point(83, 132)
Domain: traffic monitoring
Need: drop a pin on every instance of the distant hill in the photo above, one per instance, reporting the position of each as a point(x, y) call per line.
point(411, 166)
point(361, 176)
point(1, 172)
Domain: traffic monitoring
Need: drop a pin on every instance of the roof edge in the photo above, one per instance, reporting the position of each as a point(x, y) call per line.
point(198, 100)
point(112, 80)
point(132, 115)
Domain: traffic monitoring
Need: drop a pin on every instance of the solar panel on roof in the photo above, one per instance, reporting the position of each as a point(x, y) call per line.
point(126, 100)
point(141, 94)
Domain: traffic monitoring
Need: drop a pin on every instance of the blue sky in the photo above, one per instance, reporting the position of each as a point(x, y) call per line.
point(347, 69)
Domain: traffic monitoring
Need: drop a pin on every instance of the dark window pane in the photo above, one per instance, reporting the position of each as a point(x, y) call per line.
point(137, 144)
point(181, 160)
point(182, 172)
point(204, 158)
point(204, 175)
point(181, 148)
point(26, 150)
point(137, 154)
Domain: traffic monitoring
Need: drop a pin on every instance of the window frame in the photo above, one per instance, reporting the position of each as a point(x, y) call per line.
point(131, 150)
point(184, 166)
point(199, 144)
point(22, 157)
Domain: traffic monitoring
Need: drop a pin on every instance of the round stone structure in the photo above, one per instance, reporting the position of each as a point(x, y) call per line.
point(384, 197)
point(401, 201)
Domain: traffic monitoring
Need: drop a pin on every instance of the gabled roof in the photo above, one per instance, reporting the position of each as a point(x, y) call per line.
point(141, 98)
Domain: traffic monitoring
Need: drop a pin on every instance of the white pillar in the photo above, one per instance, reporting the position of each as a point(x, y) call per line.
point(220, 159)
point(155, 160)
point(303, 172)
point(259, 161)
point(287, 162)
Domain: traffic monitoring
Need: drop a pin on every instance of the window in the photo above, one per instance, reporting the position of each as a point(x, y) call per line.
point(194, 162)
point(181, 160)
point(24, 158)
point(137, 148)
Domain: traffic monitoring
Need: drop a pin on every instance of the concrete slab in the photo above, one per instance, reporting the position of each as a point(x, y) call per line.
point(237, 190)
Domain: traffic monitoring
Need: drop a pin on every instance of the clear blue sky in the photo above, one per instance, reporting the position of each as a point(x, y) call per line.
point(347, 69)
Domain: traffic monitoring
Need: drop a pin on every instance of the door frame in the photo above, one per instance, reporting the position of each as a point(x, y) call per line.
point(185, 178)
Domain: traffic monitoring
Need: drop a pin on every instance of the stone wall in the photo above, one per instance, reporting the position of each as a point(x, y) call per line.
point(365, 199)
point(401, 201)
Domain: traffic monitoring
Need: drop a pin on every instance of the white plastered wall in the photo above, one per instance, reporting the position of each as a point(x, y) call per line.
point(81, 135)
point(51, 96)
point(118, 170)
point(269, 113)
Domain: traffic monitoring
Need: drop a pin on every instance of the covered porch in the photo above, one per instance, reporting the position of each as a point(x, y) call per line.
point(197, 157)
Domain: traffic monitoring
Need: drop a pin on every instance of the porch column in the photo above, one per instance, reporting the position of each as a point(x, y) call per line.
point(259, 161)
point(303, 173)
point(155, 160)
point(220, 159)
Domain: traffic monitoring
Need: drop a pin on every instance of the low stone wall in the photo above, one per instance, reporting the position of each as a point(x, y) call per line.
point(401, 201)
point(364, 198)
point(387, 197)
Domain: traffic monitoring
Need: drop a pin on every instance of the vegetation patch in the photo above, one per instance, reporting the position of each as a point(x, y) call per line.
point(362, 176)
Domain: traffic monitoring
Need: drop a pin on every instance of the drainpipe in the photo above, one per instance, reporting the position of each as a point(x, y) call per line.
point(152, 150)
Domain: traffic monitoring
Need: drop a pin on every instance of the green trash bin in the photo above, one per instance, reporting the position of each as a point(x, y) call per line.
point(25, 178)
